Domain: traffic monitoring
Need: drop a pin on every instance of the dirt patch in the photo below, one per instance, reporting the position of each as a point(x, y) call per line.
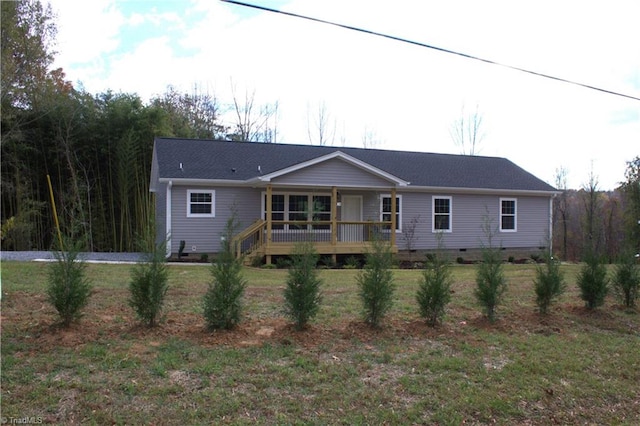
point(29, 316)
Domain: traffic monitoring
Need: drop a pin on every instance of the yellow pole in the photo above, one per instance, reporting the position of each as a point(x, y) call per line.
point(55, 213)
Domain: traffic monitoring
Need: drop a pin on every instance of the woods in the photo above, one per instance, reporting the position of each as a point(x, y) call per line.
point(96, 148)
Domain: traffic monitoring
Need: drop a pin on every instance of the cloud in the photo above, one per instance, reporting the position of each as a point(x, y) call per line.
point(407, 94)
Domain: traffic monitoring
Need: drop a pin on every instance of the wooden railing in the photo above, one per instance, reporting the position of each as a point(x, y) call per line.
point(286, 232)
point(250, 239)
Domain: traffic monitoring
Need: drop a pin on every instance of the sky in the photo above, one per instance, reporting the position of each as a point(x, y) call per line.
point(404, 97)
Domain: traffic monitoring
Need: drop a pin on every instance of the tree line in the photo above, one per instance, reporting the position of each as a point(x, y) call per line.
point(590, 221)
point(97, 149)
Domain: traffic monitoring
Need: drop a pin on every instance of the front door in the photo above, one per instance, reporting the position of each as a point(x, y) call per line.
point(351, 212)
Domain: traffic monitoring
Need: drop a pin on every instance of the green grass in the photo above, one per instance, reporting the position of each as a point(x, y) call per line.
point(571, 367)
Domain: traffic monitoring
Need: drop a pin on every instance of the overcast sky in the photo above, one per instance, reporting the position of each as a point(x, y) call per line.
point(407, 96)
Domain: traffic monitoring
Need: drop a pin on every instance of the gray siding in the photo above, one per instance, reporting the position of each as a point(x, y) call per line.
point(204, 233)
point(332, 173)
point(468, 214)
point(161, 212)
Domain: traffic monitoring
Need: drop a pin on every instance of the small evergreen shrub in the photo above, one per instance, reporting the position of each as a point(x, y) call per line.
point(68, 289)
point(302, 296)
point(626, 280)
point(223, 299)
point(375, 283)
point(149, 284)
point(434, 291)
point(548, 284)
point(592, 281)
point(490, 281)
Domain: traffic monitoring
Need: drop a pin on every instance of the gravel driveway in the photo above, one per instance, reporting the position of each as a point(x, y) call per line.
point(90, 257)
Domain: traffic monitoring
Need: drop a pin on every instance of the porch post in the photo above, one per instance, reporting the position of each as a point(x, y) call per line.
point(334, 220)
point(394, 206)
point(269, 215)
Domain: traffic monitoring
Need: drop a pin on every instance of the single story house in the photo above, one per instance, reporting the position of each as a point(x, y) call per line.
point(341, 198)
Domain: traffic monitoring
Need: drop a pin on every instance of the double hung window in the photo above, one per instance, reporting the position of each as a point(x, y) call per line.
point(201, 203)
point(385, 210)
point(441, 214)
point(508, 215)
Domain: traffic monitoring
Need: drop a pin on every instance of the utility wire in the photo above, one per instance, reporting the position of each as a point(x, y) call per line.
point(428, 46)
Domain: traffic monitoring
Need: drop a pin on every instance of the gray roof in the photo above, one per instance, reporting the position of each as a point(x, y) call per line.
point(216, 159)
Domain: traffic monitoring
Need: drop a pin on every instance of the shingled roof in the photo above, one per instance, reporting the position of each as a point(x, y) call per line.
point(226, 160)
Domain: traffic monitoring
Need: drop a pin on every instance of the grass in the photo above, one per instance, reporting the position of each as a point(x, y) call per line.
point(570, 367)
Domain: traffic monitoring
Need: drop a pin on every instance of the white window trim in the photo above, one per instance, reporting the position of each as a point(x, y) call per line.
point(399, 197)
point(201, 191)
point(263, 209)
point(515, 214)
point(433, 213)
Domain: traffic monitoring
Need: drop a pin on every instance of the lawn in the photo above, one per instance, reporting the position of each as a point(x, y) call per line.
point(573, 366)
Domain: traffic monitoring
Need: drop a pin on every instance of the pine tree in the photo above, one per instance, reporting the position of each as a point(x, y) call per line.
point(68, 288)
point(223, 299)
point(302, 293)
point(375, 283)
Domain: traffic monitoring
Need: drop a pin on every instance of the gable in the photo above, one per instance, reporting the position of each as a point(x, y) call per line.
point(333, 172)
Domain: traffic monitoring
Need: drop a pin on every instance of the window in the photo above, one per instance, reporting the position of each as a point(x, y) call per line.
point(385, 210)
point(321, 211)
point(441, 214)
point(277, 209)
point(201, 203)
point(508, 212)
point(299, 208)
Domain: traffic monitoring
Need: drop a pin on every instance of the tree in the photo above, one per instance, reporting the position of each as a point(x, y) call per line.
point(467, 132)
point(254, 124)
point(592, 281)
point(323, 130)
point(490, 281)
point(195, 115)
point(149, 283)
point(27, 36)
point(434, 291)
point(626, 279)
point(630, 189)
point(68, 288)
point(561, 207)
point(223, 299)
point(302, 296)
point(591, 203)
point(370, 138)
point(549, 283)
point(375, 283)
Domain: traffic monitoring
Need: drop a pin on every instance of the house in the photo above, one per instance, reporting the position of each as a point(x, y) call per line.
point(341, 198)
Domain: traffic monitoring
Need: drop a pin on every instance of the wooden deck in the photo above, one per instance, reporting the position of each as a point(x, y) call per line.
point(329, 239)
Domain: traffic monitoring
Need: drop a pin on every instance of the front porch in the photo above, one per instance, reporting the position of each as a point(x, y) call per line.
point(274, 237)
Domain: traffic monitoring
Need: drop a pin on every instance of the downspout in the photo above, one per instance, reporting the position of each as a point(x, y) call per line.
point(168, 219)
point(551, 224)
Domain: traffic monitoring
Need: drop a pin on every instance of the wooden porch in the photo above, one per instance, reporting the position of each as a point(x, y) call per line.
point(278, 237)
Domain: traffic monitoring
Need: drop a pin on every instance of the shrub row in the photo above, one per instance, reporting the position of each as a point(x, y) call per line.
point(68, 289)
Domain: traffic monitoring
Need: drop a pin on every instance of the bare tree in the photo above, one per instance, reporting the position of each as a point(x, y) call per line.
point(255, 124)
point(369, 138)
point(561, 206)
point(467, 132)
point(322, 130)
point(591, 202)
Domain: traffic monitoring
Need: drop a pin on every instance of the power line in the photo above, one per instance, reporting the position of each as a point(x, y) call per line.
point(428, 46)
